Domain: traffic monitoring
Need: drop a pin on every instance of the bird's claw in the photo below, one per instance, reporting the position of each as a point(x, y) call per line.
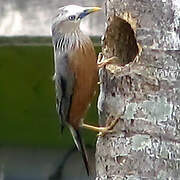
point(101, 134)
point(108, 129)
point(111, 60)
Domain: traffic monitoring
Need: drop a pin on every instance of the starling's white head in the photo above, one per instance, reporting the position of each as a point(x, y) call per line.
point(68, 18)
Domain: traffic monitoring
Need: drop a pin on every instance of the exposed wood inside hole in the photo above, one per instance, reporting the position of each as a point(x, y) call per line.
point(120, 41)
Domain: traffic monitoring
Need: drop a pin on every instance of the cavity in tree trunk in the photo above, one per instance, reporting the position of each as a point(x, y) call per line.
point(142, 90)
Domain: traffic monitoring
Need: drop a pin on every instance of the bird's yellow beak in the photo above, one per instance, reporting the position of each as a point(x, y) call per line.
point(87, 11)
point(93, 9)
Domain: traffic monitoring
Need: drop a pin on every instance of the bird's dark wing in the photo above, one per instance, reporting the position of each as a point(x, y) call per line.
point(64, 83)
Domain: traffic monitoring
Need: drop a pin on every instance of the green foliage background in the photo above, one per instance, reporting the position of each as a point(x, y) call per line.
point(27, 99)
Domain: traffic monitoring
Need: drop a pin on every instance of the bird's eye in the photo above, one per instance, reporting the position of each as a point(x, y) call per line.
point(72, 18)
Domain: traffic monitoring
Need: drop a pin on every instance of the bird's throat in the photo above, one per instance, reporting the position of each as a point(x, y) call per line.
point(70, 41)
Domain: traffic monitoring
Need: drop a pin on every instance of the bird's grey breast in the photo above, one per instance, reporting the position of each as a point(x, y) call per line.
point(61, 51)
point(64, 82)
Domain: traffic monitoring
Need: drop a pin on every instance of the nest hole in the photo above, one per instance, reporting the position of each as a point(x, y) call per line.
point(120, 41)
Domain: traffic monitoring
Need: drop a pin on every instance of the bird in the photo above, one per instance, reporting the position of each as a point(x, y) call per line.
point(75, 72)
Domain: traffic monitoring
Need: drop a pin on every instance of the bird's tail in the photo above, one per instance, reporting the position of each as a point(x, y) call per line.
point(81, 147)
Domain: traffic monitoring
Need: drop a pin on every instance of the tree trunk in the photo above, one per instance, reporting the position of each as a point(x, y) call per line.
point(142, 90)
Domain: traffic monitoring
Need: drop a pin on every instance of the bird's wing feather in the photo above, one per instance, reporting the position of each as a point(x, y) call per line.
point(64, 83)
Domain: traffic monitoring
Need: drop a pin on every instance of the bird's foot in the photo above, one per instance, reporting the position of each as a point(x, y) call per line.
point(112, 60)
point(109, 128)
point(102, 130)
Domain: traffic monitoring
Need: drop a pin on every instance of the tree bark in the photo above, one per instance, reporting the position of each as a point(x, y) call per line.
point(142, 90)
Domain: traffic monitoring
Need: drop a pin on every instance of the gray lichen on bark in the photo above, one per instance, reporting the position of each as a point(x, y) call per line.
point(142, 90)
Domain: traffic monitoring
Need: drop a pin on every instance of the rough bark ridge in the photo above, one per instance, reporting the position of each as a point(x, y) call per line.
point(142, 90)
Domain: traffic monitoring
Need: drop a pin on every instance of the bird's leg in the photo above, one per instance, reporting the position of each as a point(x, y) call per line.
point(112, 60)
point(102, 130)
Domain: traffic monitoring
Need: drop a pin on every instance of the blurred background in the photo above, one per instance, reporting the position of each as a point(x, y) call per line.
point(31, 145)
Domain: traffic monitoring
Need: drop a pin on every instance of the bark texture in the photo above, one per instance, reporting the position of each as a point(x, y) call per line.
point(142, 90)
